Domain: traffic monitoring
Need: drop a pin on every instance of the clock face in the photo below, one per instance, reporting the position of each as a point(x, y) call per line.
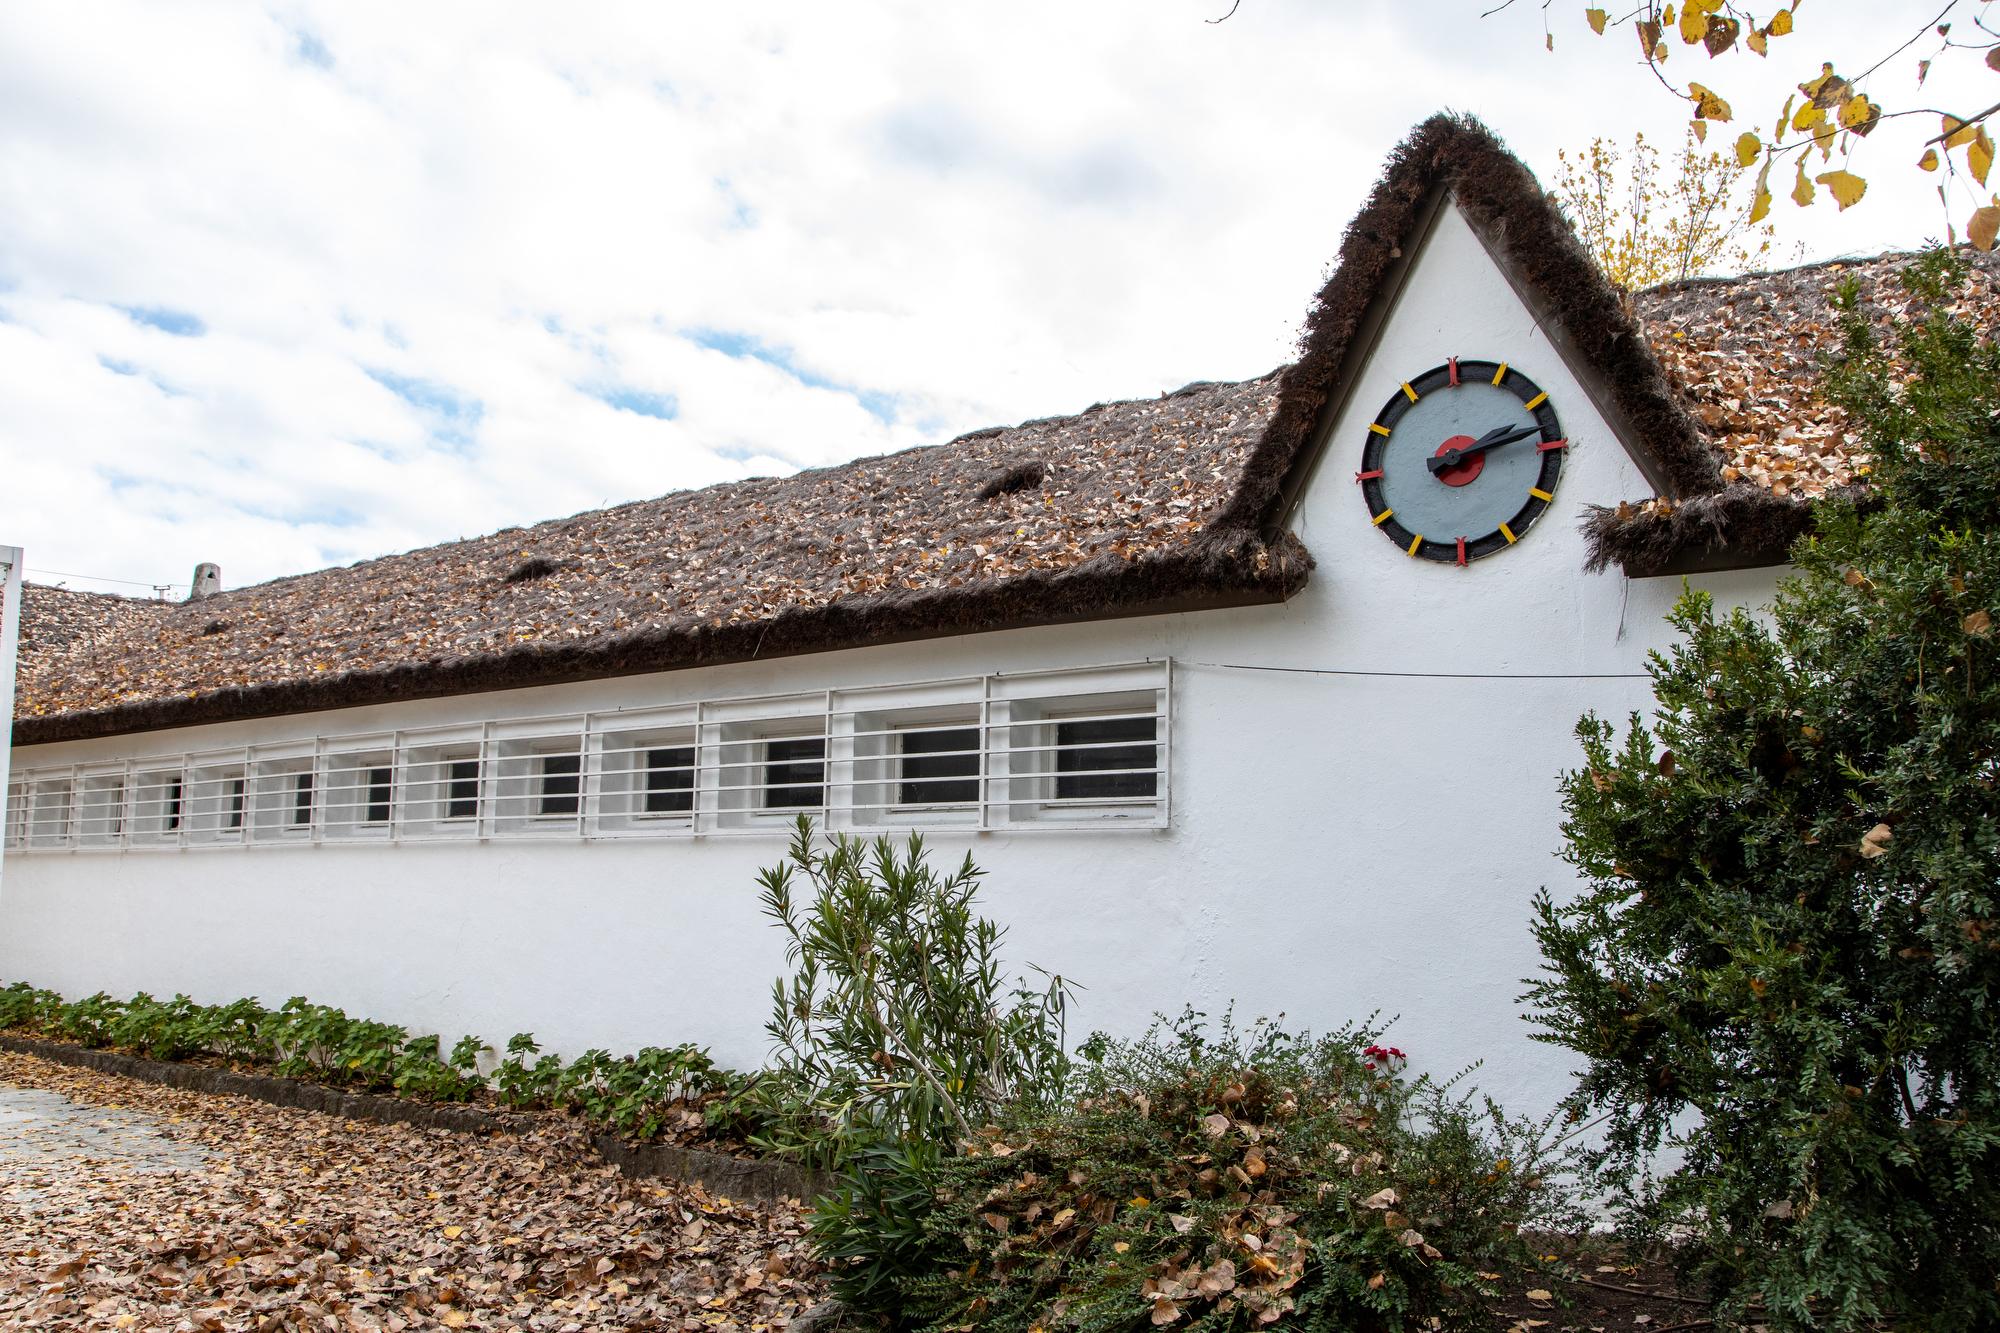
point(1462, 461)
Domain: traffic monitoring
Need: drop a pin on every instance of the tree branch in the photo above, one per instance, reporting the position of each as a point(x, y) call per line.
point(1961, 123)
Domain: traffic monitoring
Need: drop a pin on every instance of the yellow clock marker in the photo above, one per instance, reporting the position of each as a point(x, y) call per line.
point(1539, 493)
point(1537, 400)
point(1501, 373)
point(1508, 533)
point(1415, 542)
point(1408, 392)
point(1383, 517)
point(1378, 428)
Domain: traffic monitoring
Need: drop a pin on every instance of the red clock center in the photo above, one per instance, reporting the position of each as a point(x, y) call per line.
point(1463, 472)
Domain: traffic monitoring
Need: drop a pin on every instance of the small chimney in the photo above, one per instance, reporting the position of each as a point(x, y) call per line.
point(207, 581)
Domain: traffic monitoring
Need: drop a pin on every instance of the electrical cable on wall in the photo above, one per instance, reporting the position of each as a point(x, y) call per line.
point(1434, 675)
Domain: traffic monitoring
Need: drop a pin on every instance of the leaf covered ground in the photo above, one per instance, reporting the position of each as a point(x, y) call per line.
point(256, 1217)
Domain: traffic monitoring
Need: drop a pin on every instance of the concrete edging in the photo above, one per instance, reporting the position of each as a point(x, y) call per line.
point(718, 1173)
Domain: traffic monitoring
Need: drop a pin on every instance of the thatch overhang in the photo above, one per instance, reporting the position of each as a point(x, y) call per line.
point(1108, 513)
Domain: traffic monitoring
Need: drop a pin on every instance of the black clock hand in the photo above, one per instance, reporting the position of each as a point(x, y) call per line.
point(1492, 439)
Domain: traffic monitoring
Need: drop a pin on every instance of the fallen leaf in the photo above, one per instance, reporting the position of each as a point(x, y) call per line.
point(1875, 842)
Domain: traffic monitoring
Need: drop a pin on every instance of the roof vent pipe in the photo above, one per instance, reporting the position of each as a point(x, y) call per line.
point(207, 581)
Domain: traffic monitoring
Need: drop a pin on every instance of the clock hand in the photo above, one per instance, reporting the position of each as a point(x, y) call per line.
point(1492, 439)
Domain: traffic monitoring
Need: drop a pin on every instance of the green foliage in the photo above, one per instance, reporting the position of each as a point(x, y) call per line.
point(1235, 1179)
point(637, 1095)
point(896, 1024)
point(1787, 959)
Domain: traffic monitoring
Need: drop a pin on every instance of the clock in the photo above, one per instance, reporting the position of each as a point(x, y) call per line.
point(1462, 461)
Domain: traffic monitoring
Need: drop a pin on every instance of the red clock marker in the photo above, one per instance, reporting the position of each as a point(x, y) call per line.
point(1461, 550)
point(1547, 445)
point(1453, 363)
point(1369, 475)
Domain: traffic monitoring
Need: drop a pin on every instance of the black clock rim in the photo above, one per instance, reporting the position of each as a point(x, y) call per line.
point(1440, 377)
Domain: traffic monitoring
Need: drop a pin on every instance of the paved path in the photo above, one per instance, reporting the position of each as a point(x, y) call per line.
point(48, 1130)
point(126, 1207)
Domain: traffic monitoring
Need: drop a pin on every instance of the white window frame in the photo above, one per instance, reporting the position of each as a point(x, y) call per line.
point(1015, 716)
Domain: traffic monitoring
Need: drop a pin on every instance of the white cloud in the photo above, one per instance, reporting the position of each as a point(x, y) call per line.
point(795, 234)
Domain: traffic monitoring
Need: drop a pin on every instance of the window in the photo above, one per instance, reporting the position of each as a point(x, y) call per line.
point(669, 785)
point(1065, 748)
point(101, 808)
point(561, 788)
point(49, 813)
point(938, 767)
point(1106, 759)
point(461, 799)
point(795, 773)
point(381, 787)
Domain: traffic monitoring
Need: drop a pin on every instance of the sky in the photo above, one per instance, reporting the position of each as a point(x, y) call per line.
point(290, 285)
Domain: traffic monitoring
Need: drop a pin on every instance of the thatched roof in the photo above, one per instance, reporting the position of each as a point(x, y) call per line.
point(1110, 512)
point(1744, 354)
point(1129, 508)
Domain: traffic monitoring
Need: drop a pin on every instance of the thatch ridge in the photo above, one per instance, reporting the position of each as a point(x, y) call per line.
point(1527, 233)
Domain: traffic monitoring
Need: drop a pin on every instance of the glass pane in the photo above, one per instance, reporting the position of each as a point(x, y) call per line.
point(1082, 774)
point(795, 774)
point(939, 767)
point(560, 783)
point(670, 780)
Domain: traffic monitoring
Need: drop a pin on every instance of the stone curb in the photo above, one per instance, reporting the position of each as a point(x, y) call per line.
point(719, 1174)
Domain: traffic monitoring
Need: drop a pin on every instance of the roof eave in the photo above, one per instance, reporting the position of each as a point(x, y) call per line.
point(1222, 570)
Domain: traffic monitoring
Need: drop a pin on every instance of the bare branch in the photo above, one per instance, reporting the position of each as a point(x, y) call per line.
point(1231, 14)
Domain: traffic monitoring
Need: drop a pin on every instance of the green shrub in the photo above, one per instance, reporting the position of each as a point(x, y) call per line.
point(1234, 1180)
point(1786, 962)
point(896, 1023)
point(636, 1095)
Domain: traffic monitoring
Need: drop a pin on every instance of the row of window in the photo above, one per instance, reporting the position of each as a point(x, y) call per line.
point(1070, 748)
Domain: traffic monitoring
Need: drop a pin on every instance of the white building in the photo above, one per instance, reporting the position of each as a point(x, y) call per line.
point(1234, 694)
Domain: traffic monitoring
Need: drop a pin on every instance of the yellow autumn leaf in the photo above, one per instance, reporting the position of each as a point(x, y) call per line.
point(1784, 120)
point(1957, 133)
point(1846, 187)
point(1760, 207)
point(1700, 128)
point(1757, 42)
point(1780, 24)
point(1748, 146)
point(1595, 18)
point(453, 1233)
point(1810, 116)
point(1802, 190)
point(1707, 106)
point(1929, 161)
point(1979, 156)
point(1694, 23)
point(1984, 228)
point(1859, 114)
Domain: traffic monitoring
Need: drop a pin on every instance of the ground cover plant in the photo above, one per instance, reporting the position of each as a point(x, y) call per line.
point(1212, 1178)
point(1786, 963)
point(656, 1091)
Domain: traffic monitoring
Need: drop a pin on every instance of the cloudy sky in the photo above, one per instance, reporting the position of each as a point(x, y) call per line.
point(291, 284)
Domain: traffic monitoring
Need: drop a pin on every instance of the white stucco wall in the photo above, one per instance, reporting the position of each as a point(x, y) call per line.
point(1340, 844)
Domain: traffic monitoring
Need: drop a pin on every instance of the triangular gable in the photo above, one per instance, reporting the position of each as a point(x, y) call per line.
point(1455, 157)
